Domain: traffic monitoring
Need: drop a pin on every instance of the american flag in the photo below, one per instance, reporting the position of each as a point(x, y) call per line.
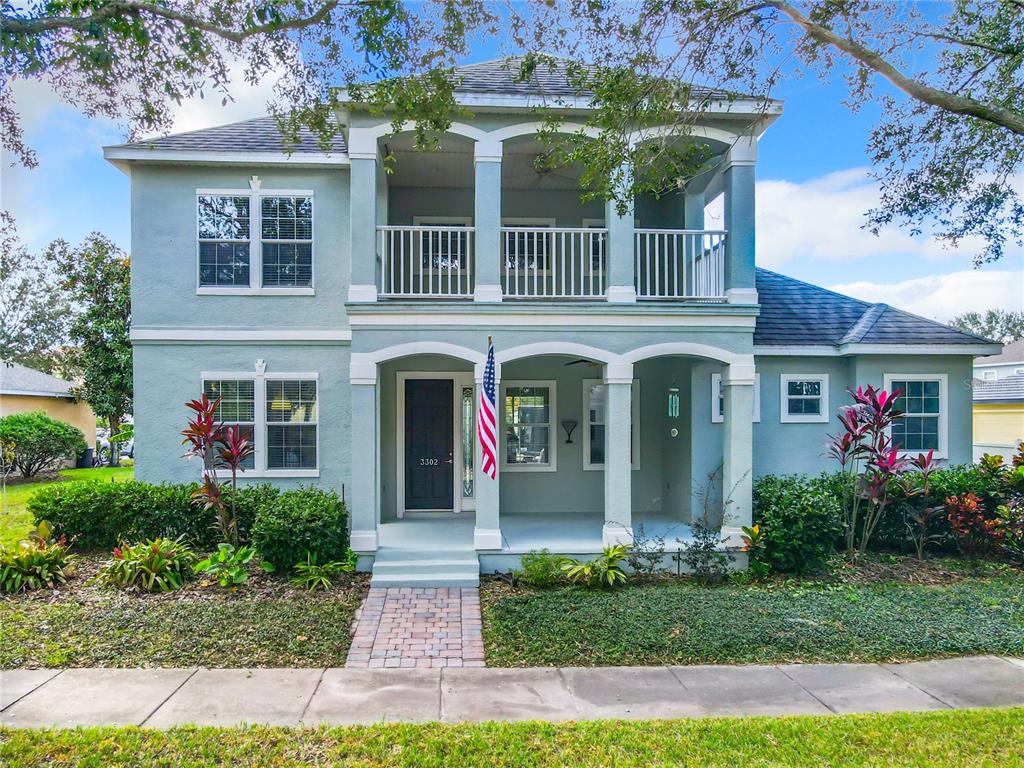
point(486, 418)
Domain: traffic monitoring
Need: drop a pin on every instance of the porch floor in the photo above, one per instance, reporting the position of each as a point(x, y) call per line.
point(562, 533)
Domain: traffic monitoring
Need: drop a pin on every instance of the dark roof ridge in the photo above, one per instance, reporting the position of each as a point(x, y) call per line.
point(866, 322)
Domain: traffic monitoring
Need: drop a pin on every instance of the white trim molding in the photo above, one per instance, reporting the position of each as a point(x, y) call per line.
point(823, 415)
point(363, 541)
point(488, 292)
point(487, 538)
point(621, 294)
point(362, 293)
point(942, 451)
point(613, 534)
point(741, 296)
point(797, 350)
point(122, 155)
point(232, 335)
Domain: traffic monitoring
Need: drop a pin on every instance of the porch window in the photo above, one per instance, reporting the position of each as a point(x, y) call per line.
point(804, 398)
point(529, 410)
point(291, 424)
point(718, 398)
point(224, 230)
point(595, 400)
point(923, 401)
point(287, 239)
point(237, 408)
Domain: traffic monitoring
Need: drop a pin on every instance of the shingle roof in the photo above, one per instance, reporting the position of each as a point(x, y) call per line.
point(795, 313)
point(17, 378)
point(1008, 390)
point(260, 134)
point(1012, 353)
point(502, 76)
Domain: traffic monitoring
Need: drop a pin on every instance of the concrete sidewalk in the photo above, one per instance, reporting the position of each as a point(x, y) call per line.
point(162, 698)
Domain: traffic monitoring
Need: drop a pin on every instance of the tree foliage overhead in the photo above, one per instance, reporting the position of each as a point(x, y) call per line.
point(947, 152)
point(96, 275)
point(997, 324)
point(34, 313)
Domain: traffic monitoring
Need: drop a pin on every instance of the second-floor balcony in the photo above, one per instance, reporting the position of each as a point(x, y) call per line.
point(536, 263)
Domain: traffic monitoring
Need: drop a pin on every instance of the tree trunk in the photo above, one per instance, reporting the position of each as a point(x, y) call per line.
point(115, 425)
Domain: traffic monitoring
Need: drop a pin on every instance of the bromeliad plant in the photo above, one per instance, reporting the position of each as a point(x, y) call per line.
point(37, 562)
point(219, 447)
point(157, 565)
point(227, 565)
point(870, 462)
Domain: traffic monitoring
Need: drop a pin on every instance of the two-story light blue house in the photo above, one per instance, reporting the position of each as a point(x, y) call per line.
point(342, 314)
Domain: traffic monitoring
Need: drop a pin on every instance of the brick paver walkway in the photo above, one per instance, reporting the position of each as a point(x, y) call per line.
point(418, 627)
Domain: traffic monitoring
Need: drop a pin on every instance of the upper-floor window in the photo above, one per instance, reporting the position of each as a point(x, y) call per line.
point(258, 241)
point(992, 375)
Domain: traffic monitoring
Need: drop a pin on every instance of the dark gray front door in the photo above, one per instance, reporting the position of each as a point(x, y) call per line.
point(429, 444)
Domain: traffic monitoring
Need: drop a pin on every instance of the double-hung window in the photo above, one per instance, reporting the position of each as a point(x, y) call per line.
point(922, 399)
point(255, 241)
point(224, 241)
point(529, 423)
point(718, 398)
point(595, 401)
point(237, 408)
point(287, 228)
point(804, 398)
point(277, 413)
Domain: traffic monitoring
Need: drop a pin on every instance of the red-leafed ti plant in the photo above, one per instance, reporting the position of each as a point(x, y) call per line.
point(219, 447)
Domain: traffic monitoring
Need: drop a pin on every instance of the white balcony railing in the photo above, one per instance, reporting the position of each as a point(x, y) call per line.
point(680, 264)
point(553, 263)
point(424, 261)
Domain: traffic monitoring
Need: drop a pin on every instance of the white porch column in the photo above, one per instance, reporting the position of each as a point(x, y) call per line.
point(487, 221)
point(620, 252)
point(487, 530)
point(365, 502)
point(738, 179)
point(618, 469)
point(738, 451)
point(363, 225)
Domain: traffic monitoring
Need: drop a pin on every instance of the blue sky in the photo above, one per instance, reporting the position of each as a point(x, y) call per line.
point(813, 190)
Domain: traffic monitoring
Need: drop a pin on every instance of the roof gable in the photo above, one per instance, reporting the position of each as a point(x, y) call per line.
point(20, 379)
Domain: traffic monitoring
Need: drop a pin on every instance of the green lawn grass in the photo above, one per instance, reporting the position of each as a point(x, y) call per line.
point(954, 739)
point(123, 630)
point(679, 622)
point(16, 522)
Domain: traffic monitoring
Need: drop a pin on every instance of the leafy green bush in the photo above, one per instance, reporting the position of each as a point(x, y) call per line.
point(156, 565)
point(604, 571)
point(35, 443)
point(799, 521)
point(300, 523)
point(313, 575)
point(540, 568)
point(227, 564)
point(34, 564)
point(99, 515)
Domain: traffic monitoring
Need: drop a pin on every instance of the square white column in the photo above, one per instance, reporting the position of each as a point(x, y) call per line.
point(487, 224)
point(363, 228)
point(738, 451)
point(618, 460)
point(487, 530)
point(364, 505)
point(620, 251)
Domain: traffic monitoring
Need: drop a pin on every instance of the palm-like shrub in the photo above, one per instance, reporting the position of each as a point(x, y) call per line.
point(34, 564)
point(605, 570)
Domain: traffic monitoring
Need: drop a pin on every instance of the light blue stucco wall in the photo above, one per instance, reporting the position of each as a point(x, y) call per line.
point(169, 375)
point(164, 250)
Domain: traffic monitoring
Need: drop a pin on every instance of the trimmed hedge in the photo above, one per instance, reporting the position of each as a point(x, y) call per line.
point(800, 522)
point(300, 522)
point(99, 515)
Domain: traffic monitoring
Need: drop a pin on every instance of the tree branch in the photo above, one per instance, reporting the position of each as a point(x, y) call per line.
point(991, 113)
point(15, 25)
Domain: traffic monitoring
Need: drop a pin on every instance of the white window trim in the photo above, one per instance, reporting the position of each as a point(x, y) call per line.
point(255, 287)
point(441, 221)
point(717, 417)
point(260, 427)
point(785, 417)
point(991, 375)
point(943, 450)
point(1018, 371)
point(634, 424)
point(553, 426)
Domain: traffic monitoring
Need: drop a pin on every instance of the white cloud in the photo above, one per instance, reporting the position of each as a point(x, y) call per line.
point(941, 297)
point(821, 219)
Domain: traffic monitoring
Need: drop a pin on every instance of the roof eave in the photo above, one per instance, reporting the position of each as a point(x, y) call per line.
point(123, 156)
point(843, 350)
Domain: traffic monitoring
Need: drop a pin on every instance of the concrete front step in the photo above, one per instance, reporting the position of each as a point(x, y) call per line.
point(401, 568)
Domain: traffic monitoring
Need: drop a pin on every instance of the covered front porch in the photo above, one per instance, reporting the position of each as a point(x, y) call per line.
point(591, 453)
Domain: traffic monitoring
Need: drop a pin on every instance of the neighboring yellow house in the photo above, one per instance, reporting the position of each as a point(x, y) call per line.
point(24, 389)
point(998, 416)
